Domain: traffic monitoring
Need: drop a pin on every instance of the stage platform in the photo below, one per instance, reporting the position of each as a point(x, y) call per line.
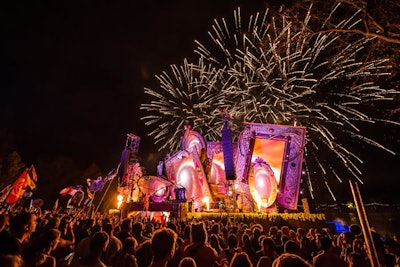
point(153, 206)
point(181, 212)
point(257, 216)
point(293, 220)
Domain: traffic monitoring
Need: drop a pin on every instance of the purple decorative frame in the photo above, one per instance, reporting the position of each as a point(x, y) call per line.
point(294, 137)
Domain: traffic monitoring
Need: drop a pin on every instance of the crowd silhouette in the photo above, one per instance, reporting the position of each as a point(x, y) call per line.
point(62, 240)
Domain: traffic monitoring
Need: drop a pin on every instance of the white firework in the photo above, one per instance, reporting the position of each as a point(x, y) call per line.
point(190, 95)
point(283, 73)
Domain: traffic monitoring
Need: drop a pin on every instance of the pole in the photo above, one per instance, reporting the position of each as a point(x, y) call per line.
point(104, 194)
point(372, 255)
point(5, 192)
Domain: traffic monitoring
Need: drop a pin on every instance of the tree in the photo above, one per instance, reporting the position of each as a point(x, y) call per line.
point(11, 166)
point(380, 22)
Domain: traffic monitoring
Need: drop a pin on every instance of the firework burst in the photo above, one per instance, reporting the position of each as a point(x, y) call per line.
point(280, 72)
point(190, 95)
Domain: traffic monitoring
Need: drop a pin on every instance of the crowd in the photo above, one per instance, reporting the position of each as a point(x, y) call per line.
point(60, 240)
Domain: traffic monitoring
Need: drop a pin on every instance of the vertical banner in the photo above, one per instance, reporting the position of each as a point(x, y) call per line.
point(124, 165)
point(228, 152)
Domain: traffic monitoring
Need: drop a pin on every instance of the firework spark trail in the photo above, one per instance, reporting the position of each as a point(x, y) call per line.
point(278, 72)
point(190, 94)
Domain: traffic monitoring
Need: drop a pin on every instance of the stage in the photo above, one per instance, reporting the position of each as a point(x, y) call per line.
point(153, 206)
point(293, 220)
point(264, 172)
point(180, 211)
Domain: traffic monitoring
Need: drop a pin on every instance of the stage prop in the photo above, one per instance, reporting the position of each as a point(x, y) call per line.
point(281, 147)
point(227, 149)
point(128, 157)
point(185, 170)
point(263, 184)
point(193, 139)
point(214, 168)
point(156, 187)
point(264, 172)
point(180, 194)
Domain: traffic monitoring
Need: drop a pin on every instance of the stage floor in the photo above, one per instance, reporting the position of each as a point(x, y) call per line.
point(153, 206)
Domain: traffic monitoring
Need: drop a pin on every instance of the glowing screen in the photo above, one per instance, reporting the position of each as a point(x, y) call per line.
point(217, 172)
point(271, 151)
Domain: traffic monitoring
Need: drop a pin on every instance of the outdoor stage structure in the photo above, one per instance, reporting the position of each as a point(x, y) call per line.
point(260, 172)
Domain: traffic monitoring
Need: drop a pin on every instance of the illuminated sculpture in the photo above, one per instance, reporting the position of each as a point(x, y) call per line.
point(267, 162)
point(263, 184)
point(185, 170)
point(282, 147)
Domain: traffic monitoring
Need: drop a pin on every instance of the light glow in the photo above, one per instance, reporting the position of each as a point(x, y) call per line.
point(257, 199)
point(271, 151)
point(217, 173)
point(262, 184)
point(119, 198)
point(206, 200)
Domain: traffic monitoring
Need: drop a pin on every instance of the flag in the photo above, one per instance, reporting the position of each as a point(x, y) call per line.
point(70, 190)
point(76, 199)
point(96, 185)
point(65, 191)
point(111, 175)
point(18, 189)
point(4, 193)
point(31, 178)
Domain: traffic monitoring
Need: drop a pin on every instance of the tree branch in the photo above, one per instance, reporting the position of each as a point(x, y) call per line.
point(367, 34)
point(364, 10)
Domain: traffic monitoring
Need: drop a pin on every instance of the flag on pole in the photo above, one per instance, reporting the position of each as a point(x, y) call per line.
point(70, 190)
point(55, 206)
point(31, 205)
point(31, 178)
point(111, 175)
point(18, 189)
point(4, 193)
point(96, 185)
point(65, 191)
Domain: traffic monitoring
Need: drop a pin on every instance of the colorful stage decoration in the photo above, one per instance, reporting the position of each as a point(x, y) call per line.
point(263, 184)
point(128, 158)
point(227, 148)
point(157, 188)
point(193, 139)
point(185, 170)
point(280, 146)
point(266, 165)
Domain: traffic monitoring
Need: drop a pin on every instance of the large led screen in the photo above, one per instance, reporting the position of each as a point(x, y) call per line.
point(217, 170)
point(272, 151)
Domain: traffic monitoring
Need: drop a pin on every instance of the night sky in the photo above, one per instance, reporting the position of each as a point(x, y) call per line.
point(72, 75)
